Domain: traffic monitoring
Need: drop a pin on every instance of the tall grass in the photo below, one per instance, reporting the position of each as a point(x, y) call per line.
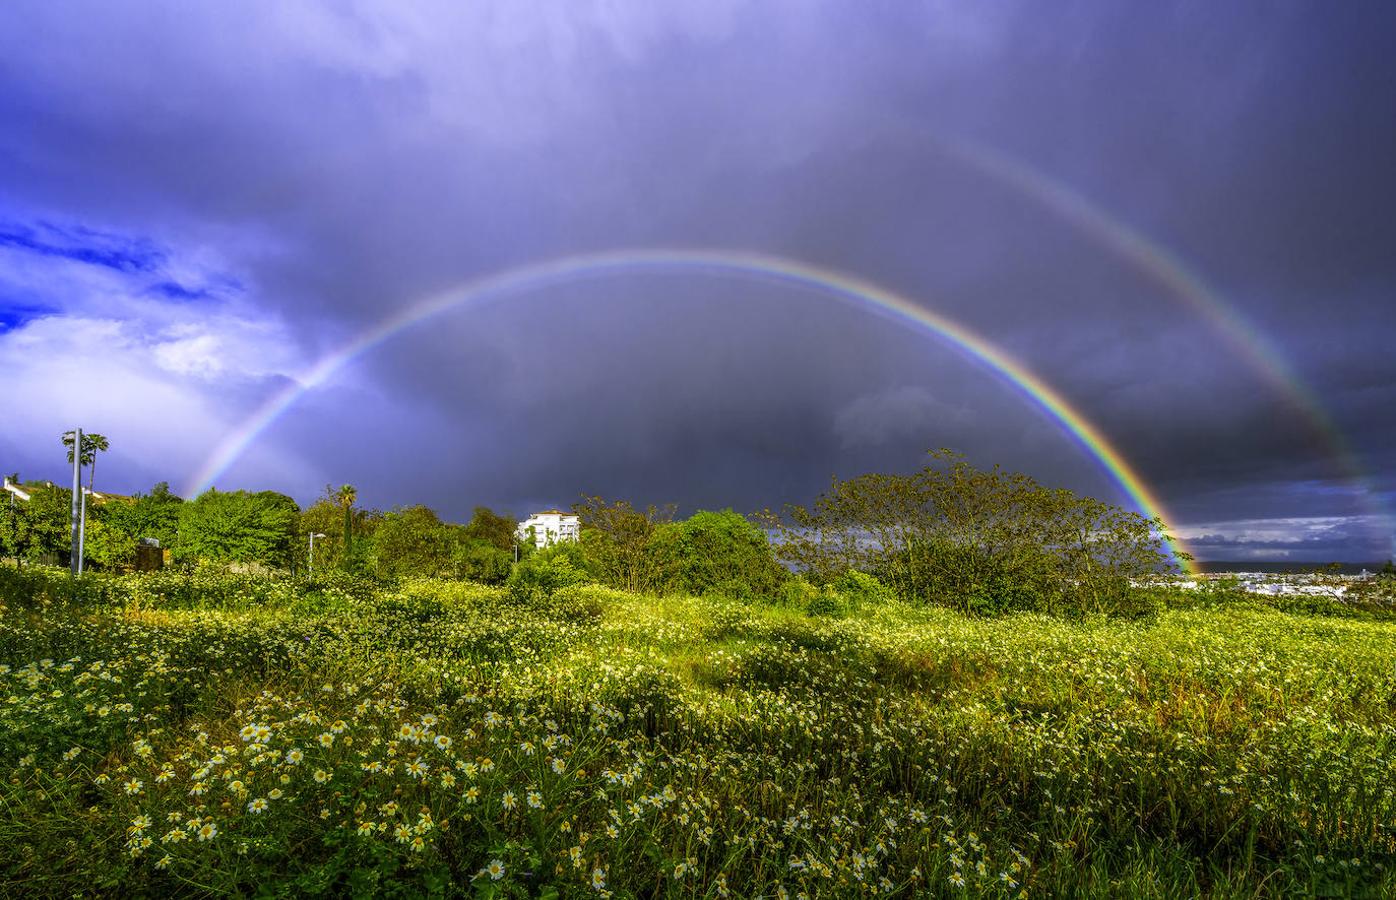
point(213, 735)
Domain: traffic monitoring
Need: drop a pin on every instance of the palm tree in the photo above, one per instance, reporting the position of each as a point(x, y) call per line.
point(95, 443)
point(68, 442)
point(92, 444)
point(346, 497)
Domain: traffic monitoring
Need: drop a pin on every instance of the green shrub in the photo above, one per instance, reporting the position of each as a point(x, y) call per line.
point(719, 553)
point(862, 589)
point(829, 604)
point(542, 574)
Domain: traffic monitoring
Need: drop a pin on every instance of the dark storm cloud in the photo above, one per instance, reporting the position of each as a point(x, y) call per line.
point(299, 174)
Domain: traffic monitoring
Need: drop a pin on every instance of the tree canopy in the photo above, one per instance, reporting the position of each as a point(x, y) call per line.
point(980, 540)
point(238, 526)
point(715, 552)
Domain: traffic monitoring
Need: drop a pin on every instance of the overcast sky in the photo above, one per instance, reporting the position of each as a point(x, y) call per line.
point(198, 201)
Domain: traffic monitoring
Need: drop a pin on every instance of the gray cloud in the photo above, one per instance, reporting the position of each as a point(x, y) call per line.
point(291, 177)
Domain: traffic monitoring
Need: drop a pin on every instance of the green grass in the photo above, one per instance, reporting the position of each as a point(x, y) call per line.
point(679, 746)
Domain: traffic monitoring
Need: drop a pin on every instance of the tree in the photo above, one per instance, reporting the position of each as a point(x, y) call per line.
point(39, 529)
point(488, 526)
point(92, 444)
point(124, 523)
point(978, 540)
point(615, 541)
point(156, 515)
point(346, 496)
point(413, 540)
point(542, 574)
point(477, 560)
point(715, 552)
point(108, 544)
point(238, 526)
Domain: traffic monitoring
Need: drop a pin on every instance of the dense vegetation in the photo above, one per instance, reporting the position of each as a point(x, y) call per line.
point(984, 542)
point(953, 682)
point(208, 733)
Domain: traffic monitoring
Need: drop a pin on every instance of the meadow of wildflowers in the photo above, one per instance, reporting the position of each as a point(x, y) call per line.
point(215, 734)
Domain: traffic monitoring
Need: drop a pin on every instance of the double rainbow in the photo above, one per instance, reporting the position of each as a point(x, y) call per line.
point(1184, 283)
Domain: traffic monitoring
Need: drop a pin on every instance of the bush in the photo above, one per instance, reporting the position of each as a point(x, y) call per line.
point(718, 553)
point(797, 592)
point(543, 574)
point(862, 589)
point(830, 604)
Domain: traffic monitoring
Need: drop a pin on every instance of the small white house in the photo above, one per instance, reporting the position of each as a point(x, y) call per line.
point(550, 527)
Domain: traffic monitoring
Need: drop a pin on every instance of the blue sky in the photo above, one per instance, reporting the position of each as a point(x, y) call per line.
point(198, 202)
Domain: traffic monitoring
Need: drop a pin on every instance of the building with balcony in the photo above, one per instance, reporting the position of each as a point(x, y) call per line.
point(551, 526)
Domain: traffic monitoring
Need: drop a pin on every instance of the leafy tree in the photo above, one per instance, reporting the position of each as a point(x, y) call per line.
point(413, 540)
point(715, 552)
point(861, 589)
point(39, 529)
point(238, 526)
point(116, 525)
point(479, 560)
point(92, 444)
point(89, 447)
point(981, 541)
point(108, 544)
point(488, 526)
point(615, 541)
point(153, 515)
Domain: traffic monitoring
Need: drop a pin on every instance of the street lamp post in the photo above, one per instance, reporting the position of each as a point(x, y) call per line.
point(74, 538)
point(310, 564)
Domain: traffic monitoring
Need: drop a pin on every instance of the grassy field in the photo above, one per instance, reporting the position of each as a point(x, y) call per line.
point(216, 734)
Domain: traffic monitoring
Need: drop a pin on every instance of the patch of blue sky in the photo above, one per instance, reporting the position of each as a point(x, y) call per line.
point(15, 313)
point(173, 290)
point(83, 244)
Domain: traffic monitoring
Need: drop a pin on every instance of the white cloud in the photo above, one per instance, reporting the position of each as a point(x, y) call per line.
point(1291, 528)
point(164, 378)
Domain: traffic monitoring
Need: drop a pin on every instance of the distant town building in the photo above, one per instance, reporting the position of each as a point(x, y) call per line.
point(550, 526)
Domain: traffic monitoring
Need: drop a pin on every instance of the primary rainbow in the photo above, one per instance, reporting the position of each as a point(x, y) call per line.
point(770, 268)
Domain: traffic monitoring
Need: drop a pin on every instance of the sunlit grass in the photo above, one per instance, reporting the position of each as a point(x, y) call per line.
point(219, 734)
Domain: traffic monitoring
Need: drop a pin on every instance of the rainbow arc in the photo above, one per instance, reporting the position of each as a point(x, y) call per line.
point(826, 282)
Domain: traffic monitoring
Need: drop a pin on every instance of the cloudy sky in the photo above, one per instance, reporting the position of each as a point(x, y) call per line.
point(1179, 215)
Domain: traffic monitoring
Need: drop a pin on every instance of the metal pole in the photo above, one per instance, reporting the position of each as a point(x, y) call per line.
point(310, 563)
point(74, 538)
point(82, 530)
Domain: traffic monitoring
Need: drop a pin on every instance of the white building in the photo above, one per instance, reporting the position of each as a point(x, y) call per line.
point(549, 527)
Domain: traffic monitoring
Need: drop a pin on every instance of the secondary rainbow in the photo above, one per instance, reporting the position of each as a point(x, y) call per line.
point(844, 287)
point(1184, 283)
